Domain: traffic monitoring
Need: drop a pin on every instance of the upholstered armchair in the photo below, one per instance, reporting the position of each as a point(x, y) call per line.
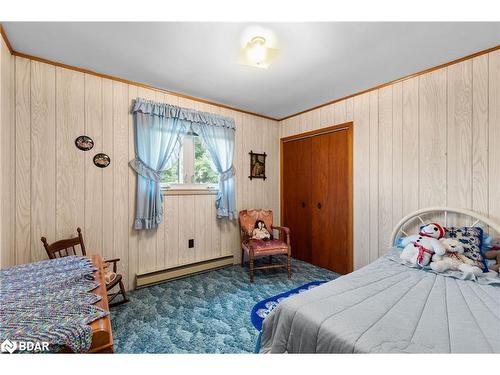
point(255, 248)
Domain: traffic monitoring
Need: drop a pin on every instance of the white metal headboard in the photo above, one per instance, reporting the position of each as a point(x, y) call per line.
point(478, 218)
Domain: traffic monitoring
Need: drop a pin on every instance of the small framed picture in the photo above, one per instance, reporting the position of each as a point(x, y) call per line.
point(84, 143)
point(257, 165)
point(101, 160)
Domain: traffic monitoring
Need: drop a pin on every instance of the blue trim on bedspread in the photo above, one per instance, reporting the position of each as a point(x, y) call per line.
point(265, 307)
point(262, 309)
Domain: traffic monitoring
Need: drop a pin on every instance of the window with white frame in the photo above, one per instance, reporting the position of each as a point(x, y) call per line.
point(194, 168)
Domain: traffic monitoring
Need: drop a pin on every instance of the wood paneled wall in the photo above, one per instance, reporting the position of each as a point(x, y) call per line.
point(7, 160)
point(429, 140)
point(58, 188)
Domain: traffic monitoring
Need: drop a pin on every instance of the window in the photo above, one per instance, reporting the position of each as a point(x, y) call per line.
point(203, 170)
point(194, 166)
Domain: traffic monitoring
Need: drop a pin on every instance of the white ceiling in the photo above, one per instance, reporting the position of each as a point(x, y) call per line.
point(317, 62)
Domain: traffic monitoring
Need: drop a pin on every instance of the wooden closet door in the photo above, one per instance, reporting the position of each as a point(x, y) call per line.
point(297, 196)
point(331, 195)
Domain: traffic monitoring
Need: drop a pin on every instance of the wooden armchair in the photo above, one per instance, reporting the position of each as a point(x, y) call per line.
point(66, 247)
point(258, 248)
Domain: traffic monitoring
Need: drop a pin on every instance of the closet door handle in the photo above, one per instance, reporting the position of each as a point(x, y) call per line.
point(303, 204)
point(319, 205)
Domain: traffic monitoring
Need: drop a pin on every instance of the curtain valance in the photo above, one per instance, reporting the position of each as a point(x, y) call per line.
point(184, 114)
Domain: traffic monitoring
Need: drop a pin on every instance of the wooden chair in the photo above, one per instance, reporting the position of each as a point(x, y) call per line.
point(259, 248)
point(64, 248)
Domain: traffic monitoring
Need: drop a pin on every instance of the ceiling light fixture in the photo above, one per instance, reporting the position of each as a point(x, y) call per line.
point(258, 47)
point(256, 50)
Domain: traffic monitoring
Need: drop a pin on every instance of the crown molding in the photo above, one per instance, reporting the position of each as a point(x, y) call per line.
point(6, 40)
point(138, 84)
point(413, 75)
point(123, 80)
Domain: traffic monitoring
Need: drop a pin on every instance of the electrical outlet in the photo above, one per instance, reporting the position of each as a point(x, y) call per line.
point(191, 243)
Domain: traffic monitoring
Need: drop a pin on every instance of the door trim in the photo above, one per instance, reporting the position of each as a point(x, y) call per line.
point(314, 133)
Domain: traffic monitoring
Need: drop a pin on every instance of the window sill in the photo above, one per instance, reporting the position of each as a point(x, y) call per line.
point(188, 190)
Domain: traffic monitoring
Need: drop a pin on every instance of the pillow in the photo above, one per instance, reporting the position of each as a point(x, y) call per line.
point(399, 242)
point(490, 262)
point(472, 240)
point(487, 243)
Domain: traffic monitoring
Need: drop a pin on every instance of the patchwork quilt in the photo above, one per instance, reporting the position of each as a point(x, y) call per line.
point(50, 301)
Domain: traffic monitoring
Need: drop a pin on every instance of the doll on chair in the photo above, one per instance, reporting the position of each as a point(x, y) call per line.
point(260, 231)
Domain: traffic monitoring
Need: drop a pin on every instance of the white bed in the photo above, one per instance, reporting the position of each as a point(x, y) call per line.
point(390, 307)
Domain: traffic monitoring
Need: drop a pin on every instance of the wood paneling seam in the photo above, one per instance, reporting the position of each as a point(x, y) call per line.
point(488, 129)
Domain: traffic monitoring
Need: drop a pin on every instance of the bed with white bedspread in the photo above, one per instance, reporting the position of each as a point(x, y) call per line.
point(389, 307)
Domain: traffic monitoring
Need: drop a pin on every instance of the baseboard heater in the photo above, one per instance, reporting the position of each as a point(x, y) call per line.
point(150, 278)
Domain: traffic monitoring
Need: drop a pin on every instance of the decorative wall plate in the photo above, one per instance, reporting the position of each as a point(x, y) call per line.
point(84, 143)
point(102, 160)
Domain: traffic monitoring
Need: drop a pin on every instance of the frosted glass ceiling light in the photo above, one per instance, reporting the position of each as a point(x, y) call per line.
point(256, 50)
point(258, 47)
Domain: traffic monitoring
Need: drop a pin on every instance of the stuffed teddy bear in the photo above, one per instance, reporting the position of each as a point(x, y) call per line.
point(260, 231)
point(419, 248)
point(454, 259)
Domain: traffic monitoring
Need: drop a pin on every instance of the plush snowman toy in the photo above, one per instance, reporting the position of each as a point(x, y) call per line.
point(454, 259)
point(419, 248)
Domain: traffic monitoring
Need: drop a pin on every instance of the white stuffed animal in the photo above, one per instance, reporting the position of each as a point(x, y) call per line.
point(454, 259)
point(419, 248)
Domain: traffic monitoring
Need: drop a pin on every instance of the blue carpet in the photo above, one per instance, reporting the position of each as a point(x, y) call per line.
point(206, 313)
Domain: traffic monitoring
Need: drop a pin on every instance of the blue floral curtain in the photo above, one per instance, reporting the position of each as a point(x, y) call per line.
point(159, 129)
